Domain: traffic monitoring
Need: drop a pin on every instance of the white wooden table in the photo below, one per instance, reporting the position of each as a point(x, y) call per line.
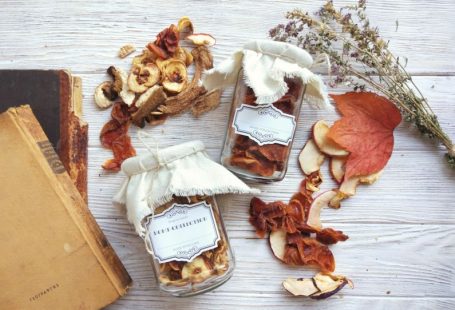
point(401, 251)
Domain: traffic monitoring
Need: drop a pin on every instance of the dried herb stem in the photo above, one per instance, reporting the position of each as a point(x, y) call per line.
point(347, 38)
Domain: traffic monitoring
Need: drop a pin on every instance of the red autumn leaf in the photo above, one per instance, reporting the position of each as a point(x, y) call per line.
point(365, 130)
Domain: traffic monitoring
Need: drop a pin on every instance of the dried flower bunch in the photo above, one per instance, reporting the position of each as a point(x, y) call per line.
point(360, 58)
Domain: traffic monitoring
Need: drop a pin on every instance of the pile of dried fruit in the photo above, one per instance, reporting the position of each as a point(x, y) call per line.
point(156, 87)
point(359, 146)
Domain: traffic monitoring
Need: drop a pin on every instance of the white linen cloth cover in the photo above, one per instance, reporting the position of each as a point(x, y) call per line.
point(265, 64)
point(182, 170)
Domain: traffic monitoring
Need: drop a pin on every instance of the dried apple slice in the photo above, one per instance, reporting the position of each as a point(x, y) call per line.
point(183, 55)
point(300, 287)
point(348, 187)
point(103, 95)
point(146, 57)
point(336, 168)
point(121, 78)
point(175, 75)
point(277, 240)
point(142, 77)
point(320, 130)
point(321, 201)
point(310, 158)
point(321, 286)
point(197, 271)
point(185, 27)
point(201, 39)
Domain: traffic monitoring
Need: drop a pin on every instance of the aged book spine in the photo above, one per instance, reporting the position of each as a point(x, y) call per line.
point(73, 131)
point(74, 203)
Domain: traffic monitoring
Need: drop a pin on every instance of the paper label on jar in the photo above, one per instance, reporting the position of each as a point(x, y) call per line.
point(182, 232)
point(264, 124)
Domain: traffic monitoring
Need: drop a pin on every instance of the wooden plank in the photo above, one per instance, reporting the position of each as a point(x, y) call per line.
point(85, 36)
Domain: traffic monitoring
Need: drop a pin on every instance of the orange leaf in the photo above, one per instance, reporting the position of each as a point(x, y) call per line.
point(365, 130)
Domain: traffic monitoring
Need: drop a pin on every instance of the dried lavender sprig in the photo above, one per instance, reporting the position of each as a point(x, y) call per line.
point(362, 45)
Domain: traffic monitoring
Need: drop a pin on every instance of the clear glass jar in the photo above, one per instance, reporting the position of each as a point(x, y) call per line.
point(190, 249)
point(259, 137)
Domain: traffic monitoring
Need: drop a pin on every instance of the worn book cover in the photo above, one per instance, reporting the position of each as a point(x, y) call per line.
point(55, 97)
point(53, 253)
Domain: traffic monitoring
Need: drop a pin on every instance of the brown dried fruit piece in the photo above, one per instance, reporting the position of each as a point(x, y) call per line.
point(302, 250)
point(330, 236)
point(118, 83)
point(206, 102)
point(179, 103)
point(291, 217)
point(296, 249)
point(148, 102)
point(256, 165)
point(114, 136)
point(126, 50)
point(167, 41)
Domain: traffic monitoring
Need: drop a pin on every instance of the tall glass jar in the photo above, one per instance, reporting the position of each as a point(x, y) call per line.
point(190, 250)
point(259, 137)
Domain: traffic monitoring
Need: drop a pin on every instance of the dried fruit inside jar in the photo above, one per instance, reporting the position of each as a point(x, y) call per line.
point(259, 136)
point(200, 258)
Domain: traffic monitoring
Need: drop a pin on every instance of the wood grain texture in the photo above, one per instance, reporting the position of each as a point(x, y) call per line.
point(401, 250)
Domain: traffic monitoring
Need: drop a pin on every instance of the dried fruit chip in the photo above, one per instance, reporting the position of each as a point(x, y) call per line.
point(142, 77)
point(185, 27)
point(201, 39)
point(175, 75)
point(308, 251)
point(330, 236)
point(197, 271)
point(126, 50)
point(146, 57)
point(168, 40)
point(114, 136)
point(104, 97)
point(365, 130)
point(321, 286)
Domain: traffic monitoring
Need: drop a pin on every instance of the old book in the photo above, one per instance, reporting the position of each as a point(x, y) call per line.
point(56, 99)
point(53, 253)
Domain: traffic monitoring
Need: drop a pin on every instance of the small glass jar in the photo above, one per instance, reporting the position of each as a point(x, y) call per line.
point(259, 137)
point(190, 249)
